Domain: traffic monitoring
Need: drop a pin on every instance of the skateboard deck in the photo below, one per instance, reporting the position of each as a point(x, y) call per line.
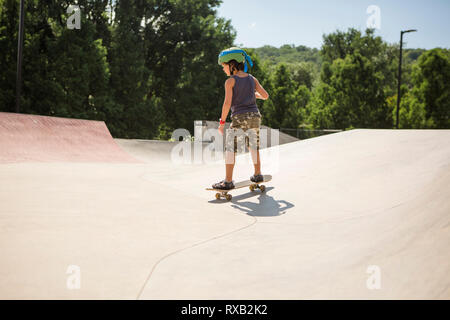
point(242, 184)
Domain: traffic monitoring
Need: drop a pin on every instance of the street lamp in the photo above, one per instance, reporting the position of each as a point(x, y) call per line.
point(400, 72)
point(19, 57)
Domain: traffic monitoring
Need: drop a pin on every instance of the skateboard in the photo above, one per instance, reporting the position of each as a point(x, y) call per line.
point(242, 184)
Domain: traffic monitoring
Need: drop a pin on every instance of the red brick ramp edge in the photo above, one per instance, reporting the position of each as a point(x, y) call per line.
point(32, 138)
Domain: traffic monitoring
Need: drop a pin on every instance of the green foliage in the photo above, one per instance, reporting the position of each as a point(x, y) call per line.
point(427, 103)
point(182, 40)
point(303, 63)
point(354, 82)
point(431, 77)
point(288, 54)
point(412, 113)
point(8, 53)
point(146, 69)
point(288, 100)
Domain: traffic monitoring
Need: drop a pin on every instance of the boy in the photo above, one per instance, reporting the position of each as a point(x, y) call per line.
point(241, 91)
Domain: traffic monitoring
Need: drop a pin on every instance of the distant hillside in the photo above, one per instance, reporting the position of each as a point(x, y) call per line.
point(310, 59)
point(290, 54)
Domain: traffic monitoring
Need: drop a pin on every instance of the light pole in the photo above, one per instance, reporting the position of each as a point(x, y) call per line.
point(400, 72)
point(19, 57)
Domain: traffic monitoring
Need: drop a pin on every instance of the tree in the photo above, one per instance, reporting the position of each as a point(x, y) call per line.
point(356, 79)
point(431, 78)
point(286, 105)
point(134, 115)
point(145, 67)
point(65, 72)
point(412, 113)
point(8, 53)
point(182, 42)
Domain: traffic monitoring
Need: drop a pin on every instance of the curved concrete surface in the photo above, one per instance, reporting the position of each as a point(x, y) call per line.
point(338, 206)
point(31, 138)
point(151, 151)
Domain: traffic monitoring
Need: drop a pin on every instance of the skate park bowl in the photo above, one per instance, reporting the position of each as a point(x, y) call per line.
point(359, 214)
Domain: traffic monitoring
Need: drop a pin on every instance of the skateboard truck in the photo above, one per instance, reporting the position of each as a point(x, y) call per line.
point(228, 196)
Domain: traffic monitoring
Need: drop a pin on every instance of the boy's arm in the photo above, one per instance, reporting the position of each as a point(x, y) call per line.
point(228, 97)
point(260, 93)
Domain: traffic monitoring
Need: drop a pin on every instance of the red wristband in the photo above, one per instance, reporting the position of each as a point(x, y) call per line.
point(221, 122)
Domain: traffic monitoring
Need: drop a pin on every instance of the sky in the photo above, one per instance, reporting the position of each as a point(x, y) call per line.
point(303, 22)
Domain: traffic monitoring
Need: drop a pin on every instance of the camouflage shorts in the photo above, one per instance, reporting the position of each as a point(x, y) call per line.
point(244, 131)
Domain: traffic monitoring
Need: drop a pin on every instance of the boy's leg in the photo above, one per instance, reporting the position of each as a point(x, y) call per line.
point(229, 165)
point(253, 146)
point(256, 160)
point(230, 151)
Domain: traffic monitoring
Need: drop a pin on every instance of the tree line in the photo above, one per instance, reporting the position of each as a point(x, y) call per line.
point(147, 67)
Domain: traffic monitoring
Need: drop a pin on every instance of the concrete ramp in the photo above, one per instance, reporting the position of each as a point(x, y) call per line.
point(31, 138)
point(360, 214)
point(152, 151)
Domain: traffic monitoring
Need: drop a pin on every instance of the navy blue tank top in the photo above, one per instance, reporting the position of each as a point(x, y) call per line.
point(243, 99)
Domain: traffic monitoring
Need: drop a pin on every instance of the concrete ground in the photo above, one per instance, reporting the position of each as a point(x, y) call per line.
point(361, 214)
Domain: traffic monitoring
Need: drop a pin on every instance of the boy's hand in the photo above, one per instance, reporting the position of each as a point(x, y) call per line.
point(221, 126)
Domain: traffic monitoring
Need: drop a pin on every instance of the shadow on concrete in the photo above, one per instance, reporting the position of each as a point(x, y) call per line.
point(267, 206)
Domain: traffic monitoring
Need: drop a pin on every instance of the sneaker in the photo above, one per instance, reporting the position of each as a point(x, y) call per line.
point(223, 185)
point(257, 178)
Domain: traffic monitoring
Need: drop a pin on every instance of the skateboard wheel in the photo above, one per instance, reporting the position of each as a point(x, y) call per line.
point(251, 187)
point(217, 196)
point(263, 188)
point(228, 196)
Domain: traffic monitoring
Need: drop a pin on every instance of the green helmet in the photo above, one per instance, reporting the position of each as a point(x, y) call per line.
point(235, 53)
